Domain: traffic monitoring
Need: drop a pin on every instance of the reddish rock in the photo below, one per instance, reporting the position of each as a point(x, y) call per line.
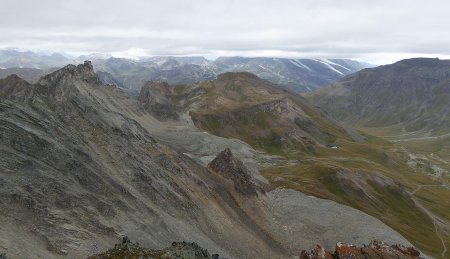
point(394, 250)
point(348, 251)
point(376, 249)
point(317, 253)
point(407, 251)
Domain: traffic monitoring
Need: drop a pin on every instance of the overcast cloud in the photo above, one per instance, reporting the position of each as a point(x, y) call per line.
point(378, 31)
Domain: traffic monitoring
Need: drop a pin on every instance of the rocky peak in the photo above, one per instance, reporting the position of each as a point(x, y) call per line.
point(13, 86)
point(61, 82)
point(83, 71)
point(230, 167)
point(12, 77)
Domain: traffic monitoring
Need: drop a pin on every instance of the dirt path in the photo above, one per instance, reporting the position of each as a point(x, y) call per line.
point(426, 185)
point(418, 138)
point(440, 224)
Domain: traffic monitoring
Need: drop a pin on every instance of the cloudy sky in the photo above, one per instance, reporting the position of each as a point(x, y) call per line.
point(377, 31)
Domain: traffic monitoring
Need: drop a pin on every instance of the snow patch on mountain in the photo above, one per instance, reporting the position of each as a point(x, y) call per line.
point(335, 64)
point(264, 68)
point(300, 64)
point(330, 67)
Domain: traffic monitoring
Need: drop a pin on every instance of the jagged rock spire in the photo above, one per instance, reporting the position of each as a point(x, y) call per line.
point(230, 167)
point(83, 71)
point(62, 82)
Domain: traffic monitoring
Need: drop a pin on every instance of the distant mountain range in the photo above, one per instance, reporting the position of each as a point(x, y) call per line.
point(413, 94)
point(28, 74)
point(299, 75)
point(29, 59)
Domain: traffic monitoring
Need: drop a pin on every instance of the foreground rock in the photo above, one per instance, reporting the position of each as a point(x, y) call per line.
point(128, 249)
point(376, 249)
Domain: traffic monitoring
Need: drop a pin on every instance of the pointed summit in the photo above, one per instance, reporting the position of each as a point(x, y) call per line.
point(83, 71)
point(14, 86)
point(61, 82)
point(230, 167)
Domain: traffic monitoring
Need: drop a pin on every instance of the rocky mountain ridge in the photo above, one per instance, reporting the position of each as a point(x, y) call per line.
point(30, 59)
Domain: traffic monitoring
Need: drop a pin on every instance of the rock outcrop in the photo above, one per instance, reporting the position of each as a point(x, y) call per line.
point(61, 83)
point(231, 168)
point(376, 249)
point(177, 250)
point(318, 252)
